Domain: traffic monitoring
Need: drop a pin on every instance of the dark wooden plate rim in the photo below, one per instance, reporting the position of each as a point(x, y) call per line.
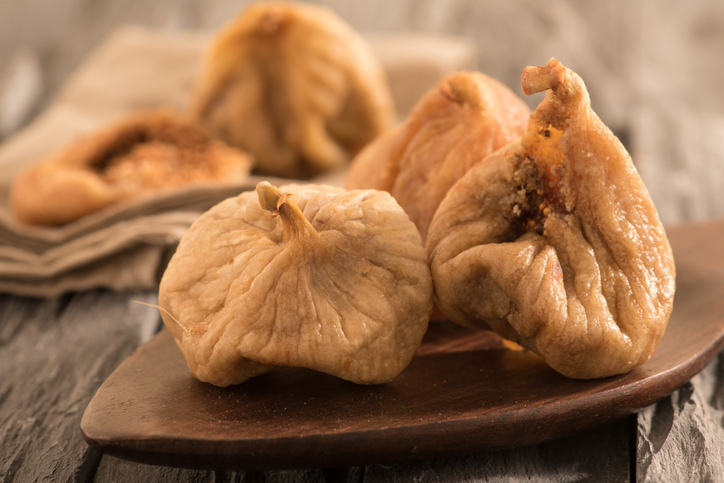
point(140, 424)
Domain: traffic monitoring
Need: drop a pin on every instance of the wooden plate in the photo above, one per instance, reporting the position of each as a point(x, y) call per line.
point(461, 394)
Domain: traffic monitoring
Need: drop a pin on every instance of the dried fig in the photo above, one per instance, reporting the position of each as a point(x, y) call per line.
point(142, 153)
point(337, 282)
point(296, 86)
point(455, 125)
point(553, 241)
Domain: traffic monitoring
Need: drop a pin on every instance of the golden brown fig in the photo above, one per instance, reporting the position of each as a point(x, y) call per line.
point(554, 242)
point(337, 282)
point(455, 125)
point(296, 86)
point(146, 152)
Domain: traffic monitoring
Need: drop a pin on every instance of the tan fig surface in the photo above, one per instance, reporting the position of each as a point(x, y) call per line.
point(145, 152)
point(467, 116)
point(554, 242)
point(294, 85)
point(306, 276)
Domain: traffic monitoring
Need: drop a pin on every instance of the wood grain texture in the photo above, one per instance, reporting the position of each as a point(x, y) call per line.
point(452, 400)
point(601, 454)
point(681, 437)
point(122, 471)
point(54, 354)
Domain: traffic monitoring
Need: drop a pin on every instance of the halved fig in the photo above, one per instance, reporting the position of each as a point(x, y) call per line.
point(145, 152)
point(554, 242)
point(455, 125)
point(294, 85)
point(306, 276)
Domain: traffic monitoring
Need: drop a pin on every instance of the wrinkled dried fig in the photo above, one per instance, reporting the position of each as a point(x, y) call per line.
point(294, 85)
point(143, 153)
point(338, 282)
point(455, 125)
point(554, 242)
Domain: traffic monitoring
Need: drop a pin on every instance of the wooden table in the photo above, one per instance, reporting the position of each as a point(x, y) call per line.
point(55, 354)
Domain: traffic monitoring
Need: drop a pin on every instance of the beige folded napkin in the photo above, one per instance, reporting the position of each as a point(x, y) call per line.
point(126, 245)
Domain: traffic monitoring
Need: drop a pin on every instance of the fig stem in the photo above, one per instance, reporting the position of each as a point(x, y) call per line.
point(294, 223)
point(541, 78)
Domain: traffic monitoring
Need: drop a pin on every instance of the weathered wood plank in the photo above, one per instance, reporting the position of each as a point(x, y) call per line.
point(120, 471)
point(599, 455)
point(55, 353)
point(681, 438)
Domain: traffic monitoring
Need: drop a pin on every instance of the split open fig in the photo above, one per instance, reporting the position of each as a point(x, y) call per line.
point(554, 242)
point(143, 153)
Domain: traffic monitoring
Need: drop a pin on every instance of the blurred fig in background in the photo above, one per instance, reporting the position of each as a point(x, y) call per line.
point(296, 86)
